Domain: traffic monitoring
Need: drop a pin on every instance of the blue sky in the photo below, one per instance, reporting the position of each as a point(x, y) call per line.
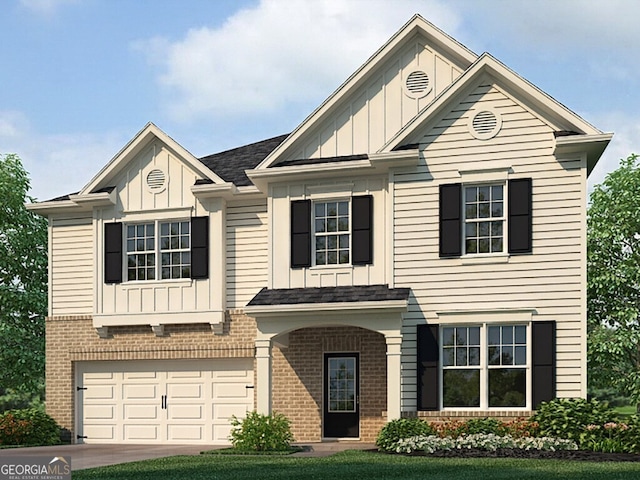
point(81, 77)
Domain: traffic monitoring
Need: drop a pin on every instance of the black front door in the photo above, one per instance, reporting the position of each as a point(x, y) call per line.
point(341, 395)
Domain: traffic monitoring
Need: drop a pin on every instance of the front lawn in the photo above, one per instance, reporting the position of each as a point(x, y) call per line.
point(359, 465)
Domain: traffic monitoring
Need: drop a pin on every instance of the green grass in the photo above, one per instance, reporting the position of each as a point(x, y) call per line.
point(359, 465)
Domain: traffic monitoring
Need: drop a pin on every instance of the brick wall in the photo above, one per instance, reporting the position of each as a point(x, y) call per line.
point(298, 378)
point(297, 370)
point(72, 339)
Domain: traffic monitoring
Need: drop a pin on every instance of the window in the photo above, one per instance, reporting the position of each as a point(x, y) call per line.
point(156, 250)
point(516, 367)
point(336, 232)
point(484, 366)
point(332, 233)
point(172, 246)
point(483, 219)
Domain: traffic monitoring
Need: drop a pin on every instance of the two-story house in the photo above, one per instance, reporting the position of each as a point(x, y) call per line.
point(415, 247)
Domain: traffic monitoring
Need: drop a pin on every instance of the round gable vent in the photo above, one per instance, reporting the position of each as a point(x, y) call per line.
point(156, 180)
point(417, 84)
point(485, 123)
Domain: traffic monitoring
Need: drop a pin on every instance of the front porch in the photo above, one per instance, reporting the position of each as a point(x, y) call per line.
point(297, 344)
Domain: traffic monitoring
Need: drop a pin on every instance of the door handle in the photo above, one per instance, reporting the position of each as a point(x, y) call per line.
point(163, 402)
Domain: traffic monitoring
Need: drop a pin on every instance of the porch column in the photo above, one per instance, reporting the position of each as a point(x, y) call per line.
point(394, 366)
point(263, 376)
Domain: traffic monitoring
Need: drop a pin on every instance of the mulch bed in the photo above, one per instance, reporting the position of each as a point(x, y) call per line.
point(580, 455)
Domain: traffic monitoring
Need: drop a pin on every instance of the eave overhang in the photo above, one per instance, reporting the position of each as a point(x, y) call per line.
point(386, 306)
point(376, 163)
point(76, 203)
point(591, 145)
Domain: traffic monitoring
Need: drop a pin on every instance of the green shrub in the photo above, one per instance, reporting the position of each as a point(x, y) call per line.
point(568, 417)
point(482, 425)
point(400, 429)
point(261, 433)
point(30, 426)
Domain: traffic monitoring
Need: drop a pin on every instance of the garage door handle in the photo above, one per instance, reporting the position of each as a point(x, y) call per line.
point(164, 402)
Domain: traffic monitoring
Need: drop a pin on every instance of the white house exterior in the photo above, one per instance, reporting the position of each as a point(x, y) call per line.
point(417, 246)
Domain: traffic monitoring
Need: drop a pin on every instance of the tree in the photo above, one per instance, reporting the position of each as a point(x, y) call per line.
point(23, 281)
point(613, 286)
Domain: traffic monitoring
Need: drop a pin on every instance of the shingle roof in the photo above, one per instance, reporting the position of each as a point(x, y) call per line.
point(231, 164)
point(365, 293)
point(313, 161)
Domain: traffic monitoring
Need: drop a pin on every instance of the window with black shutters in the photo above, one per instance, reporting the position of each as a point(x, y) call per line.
point(157, 250)
point(332, 232)
point(486, 218)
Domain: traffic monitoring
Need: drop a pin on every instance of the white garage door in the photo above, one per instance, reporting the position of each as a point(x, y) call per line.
point(177, 401)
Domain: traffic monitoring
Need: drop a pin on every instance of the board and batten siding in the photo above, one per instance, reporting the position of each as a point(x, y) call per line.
point(247, 250)
point(71, 265)
point(366, 120)
point(551, 280)
point(137, 203)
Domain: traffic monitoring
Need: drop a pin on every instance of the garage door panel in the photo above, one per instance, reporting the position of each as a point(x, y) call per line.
point(186, 412)
point(151, 375)
point(100, 392)
point(184, 390)
point(143, 433)
point(139, 392)
point(226, 411)
point(221, 433)
point(99, 412)
point(140, 412)
point(181, 432)
point(185, 374)
point(100, 433)
point(230, 390)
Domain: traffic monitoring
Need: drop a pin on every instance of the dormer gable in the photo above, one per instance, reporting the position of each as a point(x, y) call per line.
point(390, 89)
point(571, 132)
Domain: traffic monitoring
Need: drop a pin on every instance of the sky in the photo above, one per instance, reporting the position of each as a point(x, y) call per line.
point(79, 78)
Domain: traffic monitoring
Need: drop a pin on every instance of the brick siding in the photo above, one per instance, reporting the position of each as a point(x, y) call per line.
point(297, 370)
point(73, 339)
point(298, 378)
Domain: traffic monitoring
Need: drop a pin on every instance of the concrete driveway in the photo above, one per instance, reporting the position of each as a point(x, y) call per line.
point(89, 456)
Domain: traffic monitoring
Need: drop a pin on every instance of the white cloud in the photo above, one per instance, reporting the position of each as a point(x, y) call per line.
point(46, 7)
point(57, 164)
point(277, 54)
point(626, 140)
point(603, 33)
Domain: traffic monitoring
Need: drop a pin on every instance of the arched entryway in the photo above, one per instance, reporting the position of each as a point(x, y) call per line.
point(331, 382)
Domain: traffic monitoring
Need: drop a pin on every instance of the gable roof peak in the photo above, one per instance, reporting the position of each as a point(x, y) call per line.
point(416, 25)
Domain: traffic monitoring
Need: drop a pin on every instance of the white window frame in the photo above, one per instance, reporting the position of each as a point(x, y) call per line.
point(315, 234)
point(157, 251)
point(467, 221)
point(484, 366)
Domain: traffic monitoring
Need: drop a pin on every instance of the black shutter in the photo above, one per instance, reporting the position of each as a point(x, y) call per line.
point(362, 230)
point(427, 368)
point(519, 223)
point(113, 252)
point(450, 220)
point(543, 337)
point(301, 233)
point(200, 247)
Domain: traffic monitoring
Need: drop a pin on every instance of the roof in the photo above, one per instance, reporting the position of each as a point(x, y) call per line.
point(343, 294)
point(230, 165)
point(314, 161)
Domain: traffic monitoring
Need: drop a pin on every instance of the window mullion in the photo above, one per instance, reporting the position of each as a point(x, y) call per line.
point(157, 251)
